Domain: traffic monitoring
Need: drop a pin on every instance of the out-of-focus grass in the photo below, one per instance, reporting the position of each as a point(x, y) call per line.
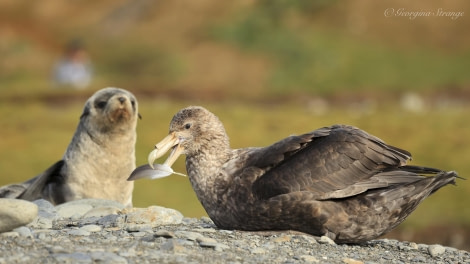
point(238, 50)
point(314, 60)
point(35, 135)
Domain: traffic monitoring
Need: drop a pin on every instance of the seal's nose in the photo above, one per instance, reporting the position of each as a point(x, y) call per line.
point(122, 99)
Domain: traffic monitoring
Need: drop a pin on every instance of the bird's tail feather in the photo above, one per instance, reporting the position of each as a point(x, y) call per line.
point(442, 179)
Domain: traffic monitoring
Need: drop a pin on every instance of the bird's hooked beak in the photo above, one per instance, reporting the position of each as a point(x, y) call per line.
point(156, 171)
point(170, 141)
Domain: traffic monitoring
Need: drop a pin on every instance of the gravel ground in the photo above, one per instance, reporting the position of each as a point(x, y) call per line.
point(114, 239)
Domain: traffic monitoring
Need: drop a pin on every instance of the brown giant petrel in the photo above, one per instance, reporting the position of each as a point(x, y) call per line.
point(336, 181)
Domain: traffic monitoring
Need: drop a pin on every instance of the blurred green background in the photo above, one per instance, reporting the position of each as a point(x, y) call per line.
point(268, 69)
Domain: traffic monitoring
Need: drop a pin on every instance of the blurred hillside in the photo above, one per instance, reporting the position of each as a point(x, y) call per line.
point(267, 68)
point(244, 49)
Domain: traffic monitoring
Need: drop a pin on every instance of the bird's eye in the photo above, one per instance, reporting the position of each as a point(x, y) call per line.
point(187, 126)
point(101, 104)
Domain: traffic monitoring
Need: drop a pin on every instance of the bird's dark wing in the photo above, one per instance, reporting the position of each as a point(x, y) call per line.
point(331, 162)
point(35, 190)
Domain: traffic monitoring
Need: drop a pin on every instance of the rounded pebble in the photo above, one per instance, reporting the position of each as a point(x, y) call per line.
point(436, 250)
point(15, 213)
point(91, 228)
point(23, 231)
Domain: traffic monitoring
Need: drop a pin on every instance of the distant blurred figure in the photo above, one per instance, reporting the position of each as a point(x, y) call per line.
point(74, 69)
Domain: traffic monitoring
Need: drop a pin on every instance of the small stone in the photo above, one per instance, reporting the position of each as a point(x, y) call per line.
point(404, 248)
point(78, 232)
point(326, 240)
point(57, 249)
point(192, 236)
point(107, 257)
point(91, 228)
point(208, 244)
point(76, 257)
point(153, 215)
point(15, 213)
point(419, 259)
point(10, 234)
point(352, 261)
point(164, 233)
point(205, 230)
point(206, 240)
point(137, 227)
point(40, 234)
point(309, 259)
point(413, 245)
point(281, 239)
point(257, 251)
point(138, 234)
point(436, 250)
point(113, 220)
point(23, 231)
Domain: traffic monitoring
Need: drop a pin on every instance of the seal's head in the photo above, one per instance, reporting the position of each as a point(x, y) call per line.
point(114, 109)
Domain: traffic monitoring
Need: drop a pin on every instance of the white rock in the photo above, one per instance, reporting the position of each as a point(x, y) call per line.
point(309, 259)
point(436, 250)
point(206, 239)
point(326, 240)
point(413, 245)
point(153, 215)
point(69, 210)
point(257, 251)
point(15, 213)
point(10, 234)
point(91, 228)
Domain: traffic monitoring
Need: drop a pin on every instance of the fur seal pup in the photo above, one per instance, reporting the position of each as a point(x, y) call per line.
point(99, 158)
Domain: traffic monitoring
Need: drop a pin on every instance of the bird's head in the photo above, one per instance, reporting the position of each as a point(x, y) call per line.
point(192, 130)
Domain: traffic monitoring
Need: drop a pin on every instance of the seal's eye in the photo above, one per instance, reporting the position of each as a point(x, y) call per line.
point(101, 104)
point(187, 126)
